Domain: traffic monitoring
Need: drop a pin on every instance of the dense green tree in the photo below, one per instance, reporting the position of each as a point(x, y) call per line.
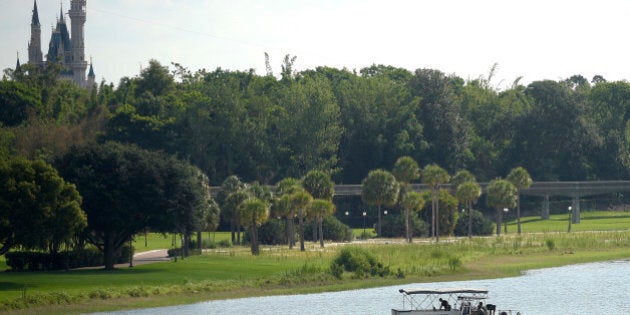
point(312, 130)
point(188, 202)
point(500, 194)
point(610, 110)
point(123, 189)
point(155, 79)
point(519, 177)
point(19, 101)
point(556, 135)
point(440, 113)
point(39, 210)
point(379, 188)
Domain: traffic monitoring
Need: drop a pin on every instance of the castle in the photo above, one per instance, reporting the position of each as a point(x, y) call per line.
point(65, 48)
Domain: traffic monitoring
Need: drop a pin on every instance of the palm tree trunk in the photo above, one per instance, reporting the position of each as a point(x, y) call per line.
point(292, 233)
point(499, 219)
point(254, 239)
point(301, 219)
point(518, 213)
point(321, 232)
point(437, 218)
point(379, 221)
point(407, 234)
point(469, 221)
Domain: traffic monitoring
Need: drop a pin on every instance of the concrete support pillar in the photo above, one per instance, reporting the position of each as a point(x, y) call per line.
point(544, 215)
point(576, 209)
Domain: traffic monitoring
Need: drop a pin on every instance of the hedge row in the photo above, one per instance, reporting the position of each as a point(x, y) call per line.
point(36, 261)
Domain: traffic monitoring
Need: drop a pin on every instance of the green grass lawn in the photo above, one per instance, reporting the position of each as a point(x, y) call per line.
point(234, 272)
point(590, 221)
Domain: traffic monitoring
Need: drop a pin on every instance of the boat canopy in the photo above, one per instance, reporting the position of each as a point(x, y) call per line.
point(444, 291)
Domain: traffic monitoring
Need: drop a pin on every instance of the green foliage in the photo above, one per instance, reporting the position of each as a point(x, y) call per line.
point(359, 261)
point(334, 230)
point(39, 261)
point(550, 243)
point(394, 226)
point(406, 169)
point(480, 225)
point(272, 232)
point(125, 189)
point(39, 209)
point(18, 101)
point(319, 185)
point(447, 215)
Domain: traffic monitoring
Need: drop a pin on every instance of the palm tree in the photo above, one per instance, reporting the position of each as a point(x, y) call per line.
point(233, 210)
point(300, 200)
point(255, 212)
point(519, 177)
point(434, 176)
point(379, 188)
point(461, 177)
point(406, 170)
point(320, 186)
point(411, 201)
point(230, 185)
point(320, 208)
point(501, 194)
point(282, 206)
point(468, 193)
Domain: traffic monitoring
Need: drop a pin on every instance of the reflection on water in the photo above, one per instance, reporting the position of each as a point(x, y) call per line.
point(597, 288)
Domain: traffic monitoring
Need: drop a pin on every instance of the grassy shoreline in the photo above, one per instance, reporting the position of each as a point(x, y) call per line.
point(234, 273)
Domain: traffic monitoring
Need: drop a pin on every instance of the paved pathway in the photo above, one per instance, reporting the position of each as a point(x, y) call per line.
point(149, 257)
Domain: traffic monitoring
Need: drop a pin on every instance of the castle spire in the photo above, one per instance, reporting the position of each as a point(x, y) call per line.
point(35, 44)
point(35, 20)
point(17, 65)
point(60, 11)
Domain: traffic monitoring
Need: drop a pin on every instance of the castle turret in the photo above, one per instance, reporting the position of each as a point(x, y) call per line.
point(35, 45)
point(91, 78)
point(17, 64)
point(78, 64)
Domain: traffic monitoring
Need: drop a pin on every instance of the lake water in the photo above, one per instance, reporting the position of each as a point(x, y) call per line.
point(596, 288)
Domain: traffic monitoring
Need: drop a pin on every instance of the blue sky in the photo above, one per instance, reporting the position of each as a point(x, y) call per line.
point(535, 39)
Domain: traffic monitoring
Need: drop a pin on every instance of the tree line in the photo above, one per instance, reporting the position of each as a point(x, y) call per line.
point(144, 153)
point(264, 128)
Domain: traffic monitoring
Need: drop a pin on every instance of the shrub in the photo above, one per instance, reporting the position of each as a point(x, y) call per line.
point(394, 226)
point(334, 230)
point(271, 232)
point(480, 225)
point(36, 261)
point(357, 260)
point(551, 244)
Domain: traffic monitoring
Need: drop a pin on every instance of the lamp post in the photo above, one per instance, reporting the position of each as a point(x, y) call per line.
point(505, 221)
point(364, 214)
point(570, 218)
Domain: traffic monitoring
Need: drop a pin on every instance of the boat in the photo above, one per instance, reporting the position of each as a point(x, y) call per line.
point(449, 301)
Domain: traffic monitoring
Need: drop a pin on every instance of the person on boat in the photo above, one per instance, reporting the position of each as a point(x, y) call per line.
point(444, 305)
point(481, 310)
